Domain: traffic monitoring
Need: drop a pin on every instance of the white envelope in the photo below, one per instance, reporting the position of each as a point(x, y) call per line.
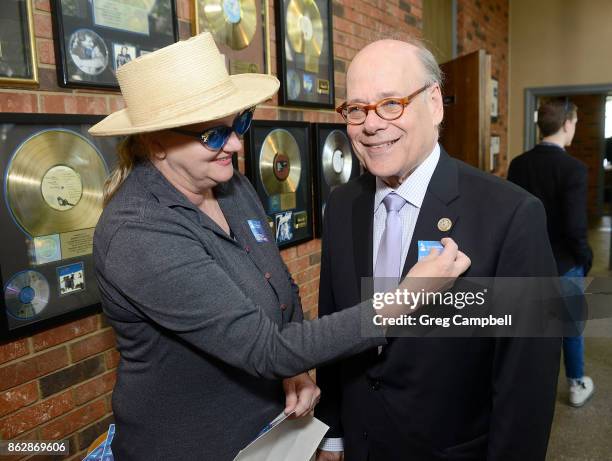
point(283, 439)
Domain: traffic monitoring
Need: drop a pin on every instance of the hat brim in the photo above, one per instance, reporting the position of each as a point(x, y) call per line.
point(252, 89)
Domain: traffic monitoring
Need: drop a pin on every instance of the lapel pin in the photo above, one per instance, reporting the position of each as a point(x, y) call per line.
point(444, 224)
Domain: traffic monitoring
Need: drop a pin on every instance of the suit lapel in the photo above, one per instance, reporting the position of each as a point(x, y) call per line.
point(362, 226)
point(442, 191)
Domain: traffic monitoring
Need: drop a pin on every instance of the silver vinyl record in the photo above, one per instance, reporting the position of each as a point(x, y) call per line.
point(336, 159)
point(26, 294)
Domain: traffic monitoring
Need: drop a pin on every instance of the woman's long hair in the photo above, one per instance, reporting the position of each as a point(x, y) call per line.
point(130, 152)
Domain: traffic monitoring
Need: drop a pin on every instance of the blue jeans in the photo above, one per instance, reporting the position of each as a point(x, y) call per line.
point(573, 346)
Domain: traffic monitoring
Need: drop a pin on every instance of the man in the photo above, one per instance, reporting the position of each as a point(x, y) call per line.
point(561, 181)
point(427, 398)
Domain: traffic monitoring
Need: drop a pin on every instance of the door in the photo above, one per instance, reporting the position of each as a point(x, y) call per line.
point(465, 131)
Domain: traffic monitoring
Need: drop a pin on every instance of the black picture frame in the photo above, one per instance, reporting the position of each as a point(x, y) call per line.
point(91, 42)
point(52, 300)
point(18, 64)
point(291, 209)
point(324, 177)
point(306, 80)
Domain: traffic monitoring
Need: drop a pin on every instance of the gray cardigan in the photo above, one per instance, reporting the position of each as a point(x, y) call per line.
point(206, 325)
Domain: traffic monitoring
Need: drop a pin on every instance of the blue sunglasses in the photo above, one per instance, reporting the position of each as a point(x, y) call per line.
point(215, 138)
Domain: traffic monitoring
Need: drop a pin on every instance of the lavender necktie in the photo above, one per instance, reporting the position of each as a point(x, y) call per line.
point(389, 259)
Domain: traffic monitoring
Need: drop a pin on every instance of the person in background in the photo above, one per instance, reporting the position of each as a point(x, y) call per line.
point(560, 181)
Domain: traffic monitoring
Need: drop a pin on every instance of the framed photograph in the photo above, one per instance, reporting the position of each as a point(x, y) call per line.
point(494, 99)
point(53, 172)
point(334, 163)
point(93, 38)
point(240, 29)
point(17, 44)
point(305, 53)
point(278, 164)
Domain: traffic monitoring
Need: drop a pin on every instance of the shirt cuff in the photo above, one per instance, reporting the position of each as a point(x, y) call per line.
point(332, 444)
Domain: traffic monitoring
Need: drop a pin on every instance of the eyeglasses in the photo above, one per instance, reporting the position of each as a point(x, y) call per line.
point(215, 138)
point(387, 109)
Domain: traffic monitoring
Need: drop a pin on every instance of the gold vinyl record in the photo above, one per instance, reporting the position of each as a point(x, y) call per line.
point(232, 22)
point(54, 183)
point(305, 27)
point(279, 163)
point(336, 159)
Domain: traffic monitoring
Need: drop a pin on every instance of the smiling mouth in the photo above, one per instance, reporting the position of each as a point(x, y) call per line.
point(380, 145)
point(227, 157)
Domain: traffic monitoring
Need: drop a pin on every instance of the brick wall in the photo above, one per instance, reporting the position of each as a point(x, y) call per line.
point(483, 24)
point(587, 143)
point(58, 383)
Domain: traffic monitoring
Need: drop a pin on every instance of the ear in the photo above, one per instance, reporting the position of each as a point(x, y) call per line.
point(434, 99)
point(155, 149)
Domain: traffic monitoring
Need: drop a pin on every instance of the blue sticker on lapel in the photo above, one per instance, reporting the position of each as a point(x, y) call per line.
point(425, 247)
point(257, 229)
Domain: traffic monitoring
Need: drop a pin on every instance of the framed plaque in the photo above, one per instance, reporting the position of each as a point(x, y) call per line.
point(494, 99)
point(94, 38)
point(52, 173)
point(334, 163)
point(240, 29)
point(17, 43)
point(278, 164)
point(305, 54)
point(494, 153)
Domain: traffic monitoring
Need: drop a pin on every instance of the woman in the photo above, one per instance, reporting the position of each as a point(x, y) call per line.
point(208, 320)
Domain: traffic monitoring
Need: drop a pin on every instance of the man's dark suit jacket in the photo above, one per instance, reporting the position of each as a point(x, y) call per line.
point(441, 398)
point(560, 181)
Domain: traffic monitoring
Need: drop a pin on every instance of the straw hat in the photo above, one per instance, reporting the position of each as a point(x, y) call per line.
point(181, 84)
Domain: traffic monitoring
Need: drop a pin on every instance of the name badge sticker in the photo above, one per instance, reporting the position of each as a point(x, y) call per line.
point(425, 246)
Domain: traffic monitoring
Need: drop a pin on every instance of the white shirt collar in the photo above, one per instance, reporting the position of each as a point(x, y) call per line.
point(413, 189)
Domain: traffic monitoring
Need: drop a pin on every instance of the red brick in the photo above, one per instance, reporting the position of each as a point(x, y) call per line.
point(26, 370)
point(35, 415)
point(64, 333)
point(73, 421)
point(42, 25)
point(112, 358)
point(18, 102)
point(43, 5)
point(116, 103)
point(13, 350)
point(70, 104)
point(46, 52)
point(184, 9)
point(91, 345)
point(94, 388)
point(18, 397)
point(309, 247)
point(298, 265)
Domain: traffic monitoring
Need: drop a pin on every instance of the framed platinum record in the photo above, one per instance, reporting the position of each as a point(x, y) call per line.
point(53, 173)
point(278, 165)
point(334, 162)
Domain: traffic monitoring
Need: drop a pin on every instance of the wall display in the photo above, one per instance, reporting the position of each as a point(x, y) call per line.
point(53, 174)
point(334, 162)
point(240, 29)
point(17, 43)
point(305, 54)
point(494, 99)
point(278, 165)
point(95, 37)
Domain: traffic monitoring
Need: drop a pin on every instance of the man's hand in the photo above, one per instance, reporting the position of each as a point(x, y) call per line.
point(323, 455)
point(301, 394)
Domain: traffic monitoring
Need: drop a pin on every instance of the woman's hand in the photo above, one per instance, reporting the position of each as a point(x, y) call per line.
point(301, 394)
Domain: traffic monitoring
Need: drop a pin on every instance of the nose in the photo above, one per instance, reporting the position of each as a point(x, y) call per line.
point(373, 122)
point(233, 144)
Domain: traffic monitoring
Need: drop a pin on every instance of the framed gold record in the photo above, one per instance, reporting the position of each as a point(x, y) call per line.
point(278, 164)
point(305, 53)
point(240, 29)
point(53, 174)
